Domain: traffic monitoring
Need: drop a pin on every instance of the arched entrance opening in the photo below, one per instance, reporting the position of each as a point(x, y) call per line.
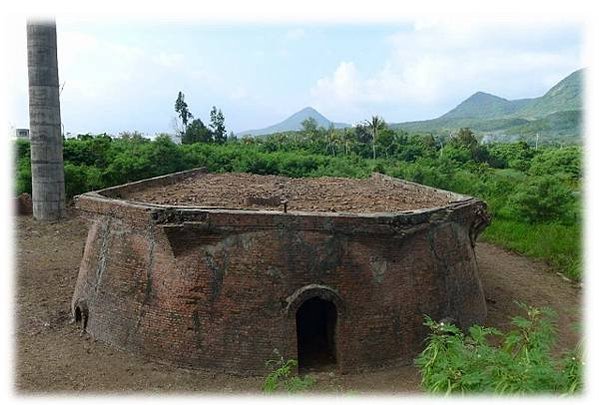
point(316, 321)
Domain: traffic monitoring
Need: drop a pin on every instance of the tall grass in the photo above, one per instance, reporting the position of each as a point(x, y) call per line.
point(557, 244)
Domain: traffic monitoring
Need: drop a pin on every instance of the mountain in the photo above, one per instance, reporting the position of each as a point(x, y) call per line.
point(482, 105)
point(558, 113)
point(294, 123)
point(564, 96)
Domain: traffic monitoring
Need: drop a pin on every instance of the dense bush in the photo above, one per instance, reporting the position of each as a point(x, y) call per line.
point(521, 361)
point(511, 155)
point(23, 176)
point(542, 199)
point(566, 161)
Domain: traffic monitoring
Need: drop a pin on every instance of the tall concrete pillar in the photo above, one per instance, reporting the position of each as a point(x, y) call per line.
point(47, 169)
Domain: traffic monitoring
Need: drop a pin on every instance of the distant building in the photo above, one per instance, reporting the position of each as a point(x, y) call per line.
point(21, 133)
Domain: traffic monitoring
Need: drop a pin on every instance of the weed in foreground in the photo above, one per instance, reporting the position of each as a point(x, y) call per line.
point(283, 376)
point(455, 362)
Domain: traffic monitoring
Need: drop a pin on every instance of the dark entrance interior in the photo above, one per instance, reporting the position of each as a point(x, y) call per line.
point(315, 322)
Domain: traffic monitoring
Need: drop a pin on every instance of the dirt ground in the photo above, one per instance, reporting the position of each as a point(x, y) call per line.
point(323, 194)
point(52, 357)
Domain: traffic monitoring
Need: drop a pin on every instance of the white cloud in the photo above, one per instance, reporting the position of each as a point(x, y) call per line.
point(441, 62)
point(342, 86)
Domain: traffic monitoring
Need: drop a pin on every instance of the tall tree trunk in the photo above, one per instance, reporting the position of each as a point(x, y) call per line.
point(47, 169)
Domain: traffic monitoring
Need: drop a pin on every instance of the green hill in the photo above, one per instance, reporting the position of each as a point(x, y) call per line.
point(483, 105)
point(564, 96)
point(556, 115)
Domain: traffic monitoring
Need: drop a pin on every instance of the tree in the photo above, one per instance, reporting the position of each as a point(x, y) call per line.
point(464, 138)
point(217, 124)
point(375, 125)
point(183, 111)
point(361, 133)
point(232, 137)
point(388, 140)
point(346, 140)
point(334, 139)
point(47, 167)
point(566, 160)
point(197, 132)
point(466, 147)
point(134, 136)
point(309, 125)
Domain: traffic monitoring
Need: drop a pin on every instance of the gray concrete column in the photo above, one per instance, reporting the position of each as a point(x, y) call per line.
point(47, 168)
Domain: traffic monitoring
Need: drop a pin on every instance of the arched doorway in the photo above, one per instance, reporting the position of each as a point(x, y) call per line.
point(316, 321)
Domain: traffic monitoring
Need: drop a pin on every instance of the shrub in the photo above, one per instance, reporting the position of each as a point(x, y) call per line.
point(23, 181)
point(513, 155)
point(521, 362)
point(542, 199)
point(566, 160)
point(283, 376)
point(22, 149)
point(75, 179)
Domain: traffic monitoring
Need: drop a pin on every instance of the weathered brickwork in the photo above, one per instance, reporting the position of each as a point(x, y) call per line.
point(219, 289)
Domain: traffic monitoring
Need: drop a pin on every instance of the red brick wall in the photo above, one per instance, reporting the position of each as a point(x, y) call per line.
point(210, 289)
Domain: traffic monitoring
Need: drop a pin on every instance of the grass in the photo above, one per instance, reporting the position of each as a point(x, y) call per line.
point(557, 244)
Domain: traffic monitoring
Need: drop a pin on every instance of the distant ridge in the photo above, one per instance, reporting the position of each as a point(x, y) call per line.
point(483, 105)
point(294, 123)
point(557, 113)
point(566, 95)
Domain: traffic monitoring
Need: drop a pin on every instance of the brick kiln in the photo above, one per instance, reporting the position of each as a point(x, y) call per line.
point(216, 271)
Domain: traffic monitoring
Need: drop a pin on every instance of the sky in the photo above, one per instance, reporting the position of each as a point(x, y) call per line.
point(123, 75)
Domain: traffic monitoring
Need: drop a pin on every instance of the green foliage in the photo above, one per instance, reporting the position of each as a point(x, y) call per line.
point(560, 245)
point(22, 149)
point(464, 138)
point(217, 125)
point(134, 136)
point(182, 109)
point(283, 376)
point(197, 132)
point(375, 125)
point(23, 177)
point(309, 125)
point(572, 368)
point(542, 199)
point(521, 361)
point(75, 179)
point(513, 155)
point(566, 161)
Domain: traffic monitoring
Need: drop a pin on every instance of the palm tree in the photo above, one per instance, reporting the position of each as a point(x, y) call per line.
point(333, 139)
point(375, 124)
point(345, 139)
point(47, 169)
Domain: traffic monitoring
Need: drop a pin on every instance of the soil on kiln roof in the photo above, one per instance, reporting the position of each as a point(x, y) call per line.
point(324, 194)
